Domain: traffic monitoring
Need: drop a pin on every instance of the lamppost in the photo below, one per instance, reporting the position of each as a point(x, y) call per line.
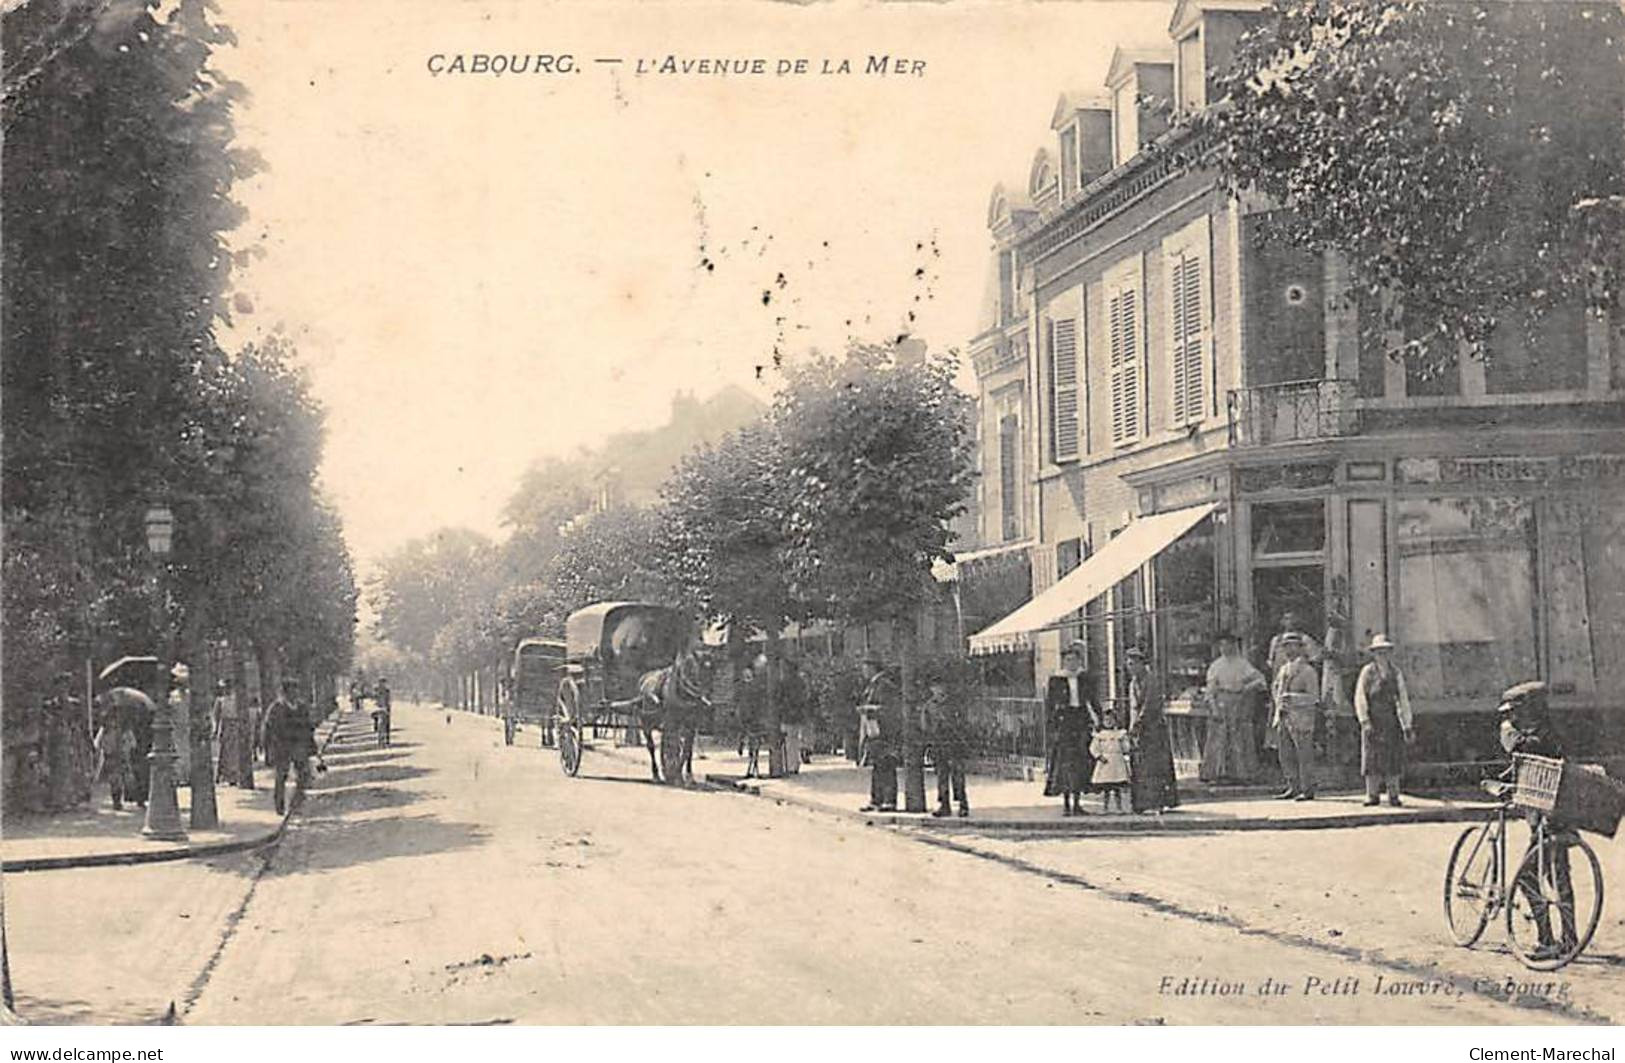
point(163, 811)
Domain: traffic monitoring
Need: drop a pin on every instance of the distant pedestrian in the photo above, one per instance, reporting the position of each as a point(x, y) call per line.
point(1073, 713)
point(1383, 707)
point(950, 741)
point(1296, 693)
point(750, 703)
point(114, 744)
point(232, 734)
point(1151, 769)
point(358, 693)
point(881, 714)
point(791, 692)
point(289, 742)
point(383, 722)
point(1234, 686)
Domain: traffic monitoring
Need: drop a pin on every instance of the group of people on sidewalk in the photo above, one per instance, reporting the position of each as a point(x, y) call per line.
point(284, 734)
point(1093, 749)
point(1300, 694)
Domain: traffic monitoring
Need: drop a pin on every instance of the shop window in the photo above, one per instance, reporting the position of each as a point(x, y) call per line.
point(1289, 527)
point(1467, 594)
point(1187, 595)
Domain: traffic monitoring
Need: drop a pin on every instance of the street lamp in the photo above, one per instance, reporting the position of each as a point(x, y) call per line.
point(163, 811)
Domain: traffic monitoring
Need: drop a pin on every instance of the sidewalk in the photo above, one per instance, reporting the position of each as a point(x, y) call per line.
point(96, 836)
point(832, 784)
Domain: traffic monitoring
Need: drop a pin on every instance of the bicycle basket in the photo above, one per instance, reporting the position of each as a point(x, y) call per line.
point(1574, 795)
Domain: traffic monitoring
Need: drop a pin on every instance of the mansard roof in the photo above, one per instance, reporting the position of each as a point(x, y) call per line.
point(1187, 12)
point(1073, 101)
point(1124, 60)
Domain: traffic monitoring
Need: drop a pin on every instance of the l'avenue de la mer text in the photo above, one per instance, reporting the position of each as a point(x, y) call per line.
point(745, 66)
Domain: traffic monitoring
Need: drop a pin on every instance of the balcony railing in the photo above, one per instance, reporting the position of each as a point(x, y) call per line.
point(1299, 410)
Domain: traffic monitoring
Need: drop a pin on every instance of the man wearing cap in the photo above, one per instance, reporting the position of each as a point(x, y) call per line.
point(1297, 705)
point(1526, 728)
point(1383, 707)
point(1233, 684)
point(882, 723)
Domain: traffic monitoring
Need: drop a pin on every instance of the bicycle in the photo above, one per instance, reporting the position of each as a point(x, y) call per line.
point(1548, 877)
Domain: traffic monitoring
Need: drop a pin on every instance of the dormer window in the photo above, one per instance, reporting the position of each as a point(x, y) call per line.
point(1191, 82)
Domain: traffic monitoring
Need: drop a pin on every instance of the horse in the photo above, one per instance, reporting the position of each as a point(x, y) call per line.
point(671, 700)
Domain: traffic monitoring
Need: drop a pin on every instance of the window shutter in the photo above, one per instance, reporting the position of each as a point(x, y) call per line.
point(1064, 389)
point(1124, 326)
point(1189, 335)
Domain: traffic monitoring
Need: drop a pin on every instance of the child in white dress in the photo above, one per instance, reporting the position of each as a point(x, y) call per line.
point(1110, 748)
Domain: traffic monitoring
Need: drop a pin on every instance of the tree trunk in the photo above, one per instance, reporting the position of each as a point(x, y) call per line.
point(913, 745)
point(772, 724)
point(205, 814)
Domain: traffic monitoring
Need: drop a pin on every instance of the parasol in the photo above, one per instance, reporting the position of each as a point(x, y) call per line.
point(128, 662)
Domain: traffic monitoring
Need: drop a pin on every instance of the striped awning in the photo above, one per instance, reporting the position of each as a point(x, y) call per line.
point(1142, 540)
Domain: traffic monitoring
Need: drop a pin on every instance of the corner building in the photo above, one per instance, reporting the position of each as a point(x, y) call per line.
point(1182, 432)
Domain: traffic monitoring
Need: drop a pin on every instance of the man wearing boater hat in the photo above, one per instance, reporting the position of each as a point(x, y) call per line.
point(1296, 690)
point(1383, 707)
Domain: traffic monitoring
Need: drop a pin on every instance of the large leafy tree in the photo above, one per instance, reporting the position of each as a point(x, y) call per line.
point(876, 458)
point(1466, 156)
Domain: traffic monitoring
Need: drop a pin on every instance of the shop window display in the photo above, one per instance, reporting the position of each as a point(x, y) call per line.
point(1186, 593)
point(1467, 596)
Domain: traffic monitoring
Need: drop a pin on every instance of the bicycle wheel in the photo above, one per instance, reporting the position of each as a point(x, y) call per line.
point(1554, 902)
point(1472, 884)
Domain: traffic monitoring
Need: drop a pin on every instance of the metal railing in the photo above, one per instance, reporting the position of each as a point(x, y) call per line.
point(1298, 410)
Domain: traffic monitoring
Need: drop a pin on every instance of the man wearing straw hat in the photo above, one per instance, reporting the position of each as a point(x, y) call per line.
point(1297, 705)
point(1383, 707)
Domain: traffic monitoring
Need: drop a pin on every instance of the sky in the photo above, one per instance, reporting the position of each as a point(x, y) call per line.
point(480, 271)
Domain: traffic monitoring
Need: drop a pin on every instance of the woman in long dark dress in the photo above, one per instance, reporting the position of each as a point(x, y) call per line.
point(1073, 712)
point(1151, 765)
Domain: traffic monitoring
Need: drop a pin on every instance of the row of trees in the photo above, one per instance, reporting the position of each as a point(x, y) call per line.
point(119, 397)
point(830, 505)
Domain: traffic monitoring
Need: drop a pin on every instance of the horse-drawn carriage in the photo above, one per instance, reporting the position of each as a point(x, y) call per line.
point(537, 667)
point(637, 666)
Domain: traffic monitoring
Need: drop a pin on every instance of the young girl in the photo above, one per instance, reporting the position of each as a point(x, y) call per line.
point(1110, 750)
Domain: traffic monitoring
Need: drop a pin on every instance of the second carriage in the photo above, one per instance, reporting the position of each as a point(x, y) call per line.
point(608, 650)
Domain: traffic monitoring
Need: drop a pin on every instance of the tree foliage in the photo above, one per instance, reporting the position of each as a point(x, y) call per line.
point(1466, 156)
point(876, 461)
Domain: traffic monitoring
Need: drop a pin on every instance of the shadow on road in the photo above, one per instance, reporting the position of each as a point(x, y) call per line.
point(332, 842)
point(364, 798)
point(350, 760)
point(342, 775)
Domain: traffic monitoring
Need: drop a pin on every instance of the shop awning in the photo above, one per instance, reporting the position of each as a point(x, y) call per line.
point(1142, 540)
point(948, 571)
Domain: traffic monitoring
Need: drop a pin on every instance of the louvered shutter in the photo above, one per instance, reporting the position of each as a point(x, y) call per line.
point(1064, 389)
point(1123, 324)
point(1187, 363)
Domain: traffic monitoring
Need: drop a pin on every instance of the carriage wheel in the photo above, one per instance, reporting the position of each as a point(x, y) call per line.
point(568, 714)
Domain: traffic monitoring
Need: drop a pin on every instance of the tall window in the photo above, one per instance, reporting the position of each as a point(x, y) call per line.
point(1188, 299)
point(1063, 366)
point(1010, 477)
point(1123, 340)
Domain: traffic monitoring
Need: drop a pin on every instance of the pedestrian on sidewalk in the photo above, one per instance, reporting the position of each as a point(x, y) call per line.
point(881, 714)
point(385, 702)
point(115, 745)
point(1296, 695)
point(1110, 750)
point(1152, 787)
point(289, 742)
point(1233, 687)
point(791, 691)
point(1290, 625)
point(231, 732)
point(1383, 707)
point(1073, 713)
point(751, 704)
point(950, 743)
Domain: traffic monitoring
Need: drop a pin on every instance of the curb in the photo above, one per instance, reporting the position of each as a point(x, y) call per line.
point(1100, 826)
point(171, 853)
